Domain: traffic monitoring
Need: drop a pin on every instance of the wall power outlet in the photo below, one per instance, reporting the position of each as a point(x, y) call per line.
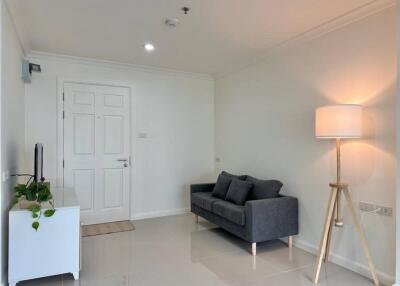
point(372, 208)
point(6, 175)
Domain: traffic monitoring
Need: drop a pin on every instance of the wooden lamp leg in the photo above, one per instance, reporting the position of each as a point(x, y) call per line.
point(324, 238)
point(328, 241)
point(254, 249)
point(362, 236)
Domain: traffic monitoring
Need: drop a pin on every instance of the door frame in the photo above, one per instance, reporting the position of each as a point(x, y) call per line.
point(60, 126)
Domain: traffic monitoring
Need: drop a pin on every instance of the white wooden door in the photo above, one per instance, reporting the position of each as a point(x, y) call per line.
point(97, 150)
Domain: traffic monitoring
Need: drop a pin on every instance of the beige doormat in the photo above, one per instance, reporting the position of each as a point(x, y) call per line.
point(106, 228)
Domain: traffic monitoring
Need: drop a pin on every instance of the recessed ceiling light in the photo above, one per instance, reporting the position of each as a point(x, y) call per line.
point(172, 22)
point(149, 47)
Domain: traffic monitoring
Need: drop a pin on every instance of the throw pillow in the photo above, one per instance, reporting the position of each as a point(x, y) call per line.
point(264, 189)
point(238, 191)
point(240, 177)
point(221, 187)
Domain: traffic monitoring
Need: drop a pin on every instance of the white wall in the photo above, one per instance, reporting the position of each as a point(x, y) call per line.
point(12, 120)
point(398, 152)
point(265, 127)
point(175, 109)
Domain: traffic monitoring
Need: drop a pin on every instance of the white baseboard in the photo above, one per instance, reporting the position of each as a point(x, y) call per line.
point(154, 214)
point(357, 267)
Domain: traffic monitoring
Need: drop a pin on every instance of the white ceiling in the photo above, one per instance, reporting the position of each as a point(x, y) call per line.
point(215, 36)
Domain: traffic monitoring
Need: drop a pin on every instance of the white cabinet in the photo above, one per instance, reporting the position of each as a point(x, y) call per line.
point(53, 249)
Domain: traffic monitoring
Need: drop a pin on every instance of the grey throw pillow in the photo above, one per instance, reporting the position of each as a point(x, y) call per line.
point(263, 189)
point(240, 177)
point(238, 191)
point(221, 187)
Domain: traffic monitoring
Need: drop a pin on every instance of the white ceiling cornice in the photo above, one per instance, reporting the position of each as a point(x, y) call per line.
point(112, 64)
point(348, 18)
point(370, 8)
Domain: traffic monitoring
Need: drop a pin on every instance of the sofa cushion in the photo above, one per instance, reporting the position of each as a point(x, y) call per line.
point(238, 191)
point(240, 177)
point(230, 211)
point(222, 186)
point(263, 189)
point(204, 200)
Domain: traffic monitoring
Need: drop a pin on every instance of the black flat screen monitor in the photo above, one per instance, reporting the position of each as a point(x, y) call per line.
point(38, 176)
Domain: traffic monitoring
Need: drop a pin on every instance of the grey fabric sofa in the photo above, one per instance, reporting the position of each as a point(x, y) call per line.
point(256, 221)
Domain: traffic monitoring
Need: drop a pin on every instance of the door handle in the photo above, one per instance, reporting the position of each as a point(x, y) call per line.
point(122, 160)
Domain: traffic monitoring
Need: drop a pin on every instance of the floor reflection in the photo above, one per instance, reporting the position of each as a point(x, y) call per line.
point(174, 251)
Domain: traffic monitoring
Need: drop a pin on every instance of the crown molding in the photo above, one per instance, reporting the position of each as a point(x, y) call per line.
point(114, 65)
point(355, 15)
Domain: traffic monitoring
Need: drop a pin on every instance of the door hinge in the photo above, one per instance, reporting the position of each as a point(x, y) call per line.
point(63, 163)
point(63, 115)
point(63, 96)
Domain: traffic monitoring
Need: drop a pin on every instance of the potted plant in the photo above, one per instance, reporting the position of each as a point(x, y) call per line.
point(32, 196)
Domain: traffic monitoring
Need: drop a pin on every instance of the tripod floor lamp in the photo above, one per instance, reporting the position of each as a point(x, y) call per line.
point(339, 122)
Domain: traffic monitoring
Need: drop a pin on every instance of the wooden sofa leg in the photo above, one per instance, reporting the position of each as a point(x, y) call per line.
point(290, 241)
point(254, 249)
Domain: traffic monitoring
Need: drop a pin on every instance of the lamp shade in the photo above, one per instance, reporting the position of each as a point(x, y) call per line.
point(338, 121)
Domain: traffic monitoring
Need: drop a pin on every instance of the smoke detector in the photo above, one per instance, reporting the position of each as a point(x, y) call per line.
point(172, 22)
point(185, 10)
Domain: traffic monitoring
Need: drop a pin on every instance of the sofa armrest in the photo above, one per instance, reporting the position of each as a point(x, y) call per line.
point(272, 218)
point(195, 188)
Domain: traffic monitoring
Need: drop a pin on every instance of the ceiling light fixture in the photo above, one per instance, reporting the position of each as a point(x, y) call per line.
point(149, 47)
point(172, 22)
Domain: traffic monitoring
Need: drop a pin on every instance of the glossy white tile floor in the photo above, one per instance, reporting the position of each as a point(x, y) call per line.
point(173, 251)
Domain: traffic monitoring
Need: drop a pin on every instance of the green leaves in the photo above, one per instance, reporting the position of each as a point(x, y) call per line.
point(30, 194)
point(43, 193)
point(34, 208)
point(19, 190)
point(38, 193)
point(49, 213)
point(35, 225)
